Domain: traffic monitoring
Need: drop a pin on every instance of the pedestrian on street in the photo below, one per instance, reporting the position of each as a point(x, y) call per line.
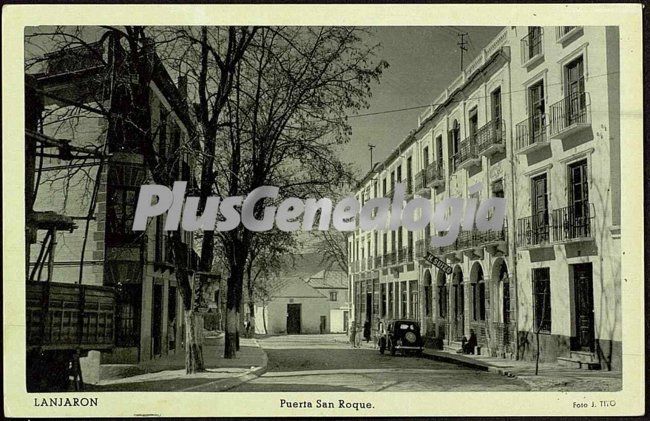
point(353, 333)
point(366, 330)
point(357, 337)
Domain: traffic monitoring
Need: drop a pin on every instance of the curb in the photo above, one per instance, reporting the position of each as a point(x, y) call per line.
point(231, 383)
point(467, 362)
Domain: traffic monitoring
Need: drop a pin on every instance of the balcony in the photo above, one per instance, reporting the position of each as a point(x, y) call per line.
point(564, 33)
point(573, 223)
point(467, 155)
point(531, 134)
point(570, 115)
point(490, 138)
point(532, 48)
point(431, 176)
point(378, 262)
point(390, 258)
point(533, 231)
point(435, 175)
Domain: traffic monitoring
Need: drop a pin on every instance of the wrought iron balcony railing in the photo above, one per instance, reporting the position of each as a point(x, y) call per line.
point(570, 114)
point(491, 137)
point(531, 133)
point(532, 46)
point(573, 222)
point(533, 230)
point(378, 262)
point(466, 155)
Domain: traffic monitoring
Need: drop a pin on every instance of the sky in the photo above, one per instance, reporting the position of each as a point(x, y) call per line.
point(423, 62)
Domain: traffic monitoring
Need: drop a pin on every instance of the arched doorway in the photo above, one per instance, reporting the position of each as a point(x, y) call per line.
point(428, 292)
point(441, 305)
point(458, 304)
point(501, 282)
point(478, 303)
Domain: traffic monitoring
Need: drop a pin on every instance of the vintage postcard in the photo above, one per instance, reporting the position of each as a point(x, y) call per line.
point(322, 210)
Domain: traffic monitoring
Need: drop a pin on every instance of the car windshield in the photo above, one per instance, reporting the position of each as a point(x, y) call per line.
point(407, 326)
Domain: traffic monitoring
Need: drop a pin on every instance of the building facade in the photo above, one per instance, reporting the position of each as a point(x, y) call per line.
point(149, 313)
point(534, 119)
point(316, 304)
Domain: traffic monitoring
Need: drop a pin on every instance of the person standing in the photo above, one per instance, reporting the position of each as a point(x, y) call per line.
point(353, 333)
point(366, 330)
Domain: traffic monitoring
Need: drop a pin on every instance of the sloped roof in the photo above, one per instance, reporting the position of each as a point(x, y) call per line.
point(295, 287)
point(328, 279)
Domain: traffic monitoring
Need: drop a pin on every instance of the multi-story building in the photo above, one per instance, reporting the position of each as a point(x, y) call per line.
point(76, 88)
point(534, 119)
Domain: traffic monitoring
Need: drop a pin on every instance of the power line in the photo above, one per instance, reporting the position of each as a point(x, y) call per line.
point(397, 110)
point(463, 49)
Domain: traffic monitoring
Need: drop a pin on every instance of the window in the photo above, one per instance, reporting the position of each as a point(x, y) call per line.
point(442, 298)
point(454, 143)
point(439, 151)
point(159, 251)
point(540, 221)
point(409, 175)
point(403, 300)
point(425, 157)
point(121, 209)
point(333, 296)
point(384, 243)
point(542, 299)
point(534, 41)
point(427, 300)
point(579, 211)
point(575, 100)
point(495, 99)
point(384, 301)
point(537, 110)
point(383, 184)
point(128, 315)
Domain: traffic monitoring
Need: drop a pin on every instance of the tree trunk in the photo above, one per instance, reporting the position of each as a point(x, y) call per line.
point(193, 342)
point(264, 317)
point(230, 346)
point(251, 328)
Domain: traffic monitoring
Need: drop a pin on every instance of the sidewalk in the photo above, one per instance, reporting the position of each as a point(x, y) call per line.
point(168, 373)
point(551, 377)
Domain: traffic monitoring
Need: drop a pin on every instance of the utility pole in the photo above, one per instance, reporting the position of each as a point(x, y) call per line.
point(462, 44)
point(371, 147)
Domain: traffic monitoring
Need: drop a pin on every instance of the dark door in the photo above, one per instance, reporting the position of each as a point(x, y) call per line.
point(293, 318)
point(579, 221)
point(323, 324)
point(156, 320)
point(345, 321)
point(537, 124)
point(368, 306)
point(575, 87)
point(582, 275)
point(540, 228)
point(171, 318)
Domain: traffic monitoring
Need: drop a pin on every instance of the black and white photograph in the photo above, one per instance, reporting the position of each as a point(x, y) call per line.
point(321, 208)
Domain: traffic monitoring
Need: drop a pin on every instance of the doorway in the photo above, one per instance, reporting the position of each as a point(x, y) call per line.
point(293, 318)
point(368, 306)
point(156, 320)
point(584, 307)
point(323, 324)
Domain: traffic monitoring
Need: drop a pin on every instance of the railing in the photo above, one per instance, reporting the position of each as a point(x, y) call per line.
point(491, 134)
point(466, 152)
point(421, 248)
point(531, 131)
point(420, 180)
point(434, 172)
point(406, 255)
point(573, 222)
point(378, 261)
point(574, 109)
point(70, 316)
point(390, 258)
point(533, 230)
point(531, 45)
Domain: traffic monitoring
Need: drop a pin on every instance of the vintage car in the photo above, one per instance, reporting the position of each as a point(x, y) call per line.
point(402, 335)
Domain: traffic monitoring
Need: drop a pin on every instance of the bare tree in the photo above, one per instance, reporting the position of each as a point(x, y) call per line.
point(287, 114)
